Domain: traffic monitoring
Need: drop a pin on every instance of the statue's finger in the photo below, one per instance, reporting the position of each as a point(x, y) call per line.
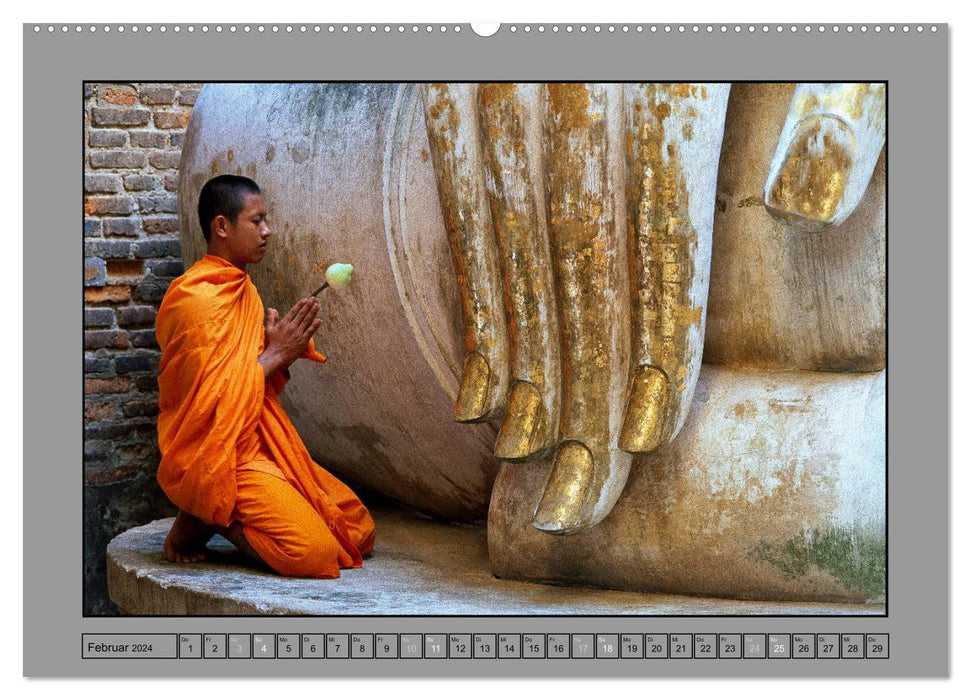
point(511, 129)
point(828, 149)
point(454, 144)
point(588, 253)
point(674, 134)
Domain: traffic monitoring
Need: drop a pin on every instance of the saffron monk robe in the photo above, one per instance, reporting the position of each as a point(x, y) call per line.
point(231, 459)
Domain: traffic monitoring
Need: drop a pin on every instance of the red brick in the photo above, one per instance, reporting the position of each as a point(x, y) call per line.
point(101, 183)
point(165, 160)
point(105, 339)
point(160, 224)
point(113, 116)
point(117, 159)
point(149, 139)
point(133, 316)
point(115, 293)
point(124, 270)
point(141, 408)
point(120, 96)
point(121, 227)
point(110, 475)
point(107, 138)
point(172, 120)
point(99, 317)
point(140, 183)
point(117, 385)
point(100, 411)
point(144, 339)
point(91, 272)
point(159, 204)
point(172, 182)
point(108, 205)
point(156, 95)
point(188, 97)
point(136, 455)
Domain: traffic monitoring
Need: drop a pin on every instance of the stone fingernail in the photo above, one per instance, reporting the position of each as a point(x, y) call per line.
point(564, 508)
point(807, 190)
point(521, 427)
point(647, 411)
point(471, 403)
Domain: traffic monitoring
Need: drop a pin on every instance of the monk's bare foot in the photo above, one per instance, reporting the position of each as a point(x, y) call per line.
point(234, 533)
point(186, 541)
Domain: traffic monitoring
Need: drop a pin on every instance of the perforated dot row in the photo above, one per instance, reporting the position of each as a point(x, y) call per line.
point(513, 28)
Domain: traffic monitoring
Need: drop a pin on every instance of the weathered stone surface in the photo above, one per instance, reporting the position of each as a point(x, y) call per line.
point(419, 567)
point(380, 411)
point(784, 298)
point(774, 489)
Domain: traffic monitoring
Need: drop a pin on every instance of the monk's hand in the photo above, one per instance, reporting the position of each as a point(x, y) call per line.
point(286, 338)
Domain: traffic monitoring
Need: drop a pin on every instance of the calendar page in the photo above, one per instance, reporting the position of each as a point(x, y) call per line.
point(510, 350)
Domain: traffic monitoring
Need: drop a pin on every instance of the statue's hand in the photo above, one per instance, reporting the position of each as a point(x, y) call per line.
point(585, 211)
point(828, 149)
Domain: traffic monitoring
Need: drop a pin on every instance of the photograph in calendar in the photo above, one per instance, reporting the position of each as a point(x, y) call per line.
point(484, 348)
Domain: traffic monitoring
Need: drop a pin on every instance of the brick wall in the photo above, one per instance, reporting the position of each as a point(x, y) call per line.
point(133, 139)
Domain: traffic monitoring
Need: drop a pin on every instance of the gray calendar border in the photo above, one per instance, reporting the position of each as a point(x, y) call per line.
point(917, 70)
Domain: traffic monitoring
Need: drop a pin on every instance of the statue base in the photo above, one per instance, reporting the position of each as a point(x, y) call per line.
point(773, 490)
point(419, 567)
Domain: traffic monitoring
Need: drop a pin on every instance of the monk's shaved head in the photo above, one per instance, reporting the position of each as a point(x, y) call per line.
point(223, 195)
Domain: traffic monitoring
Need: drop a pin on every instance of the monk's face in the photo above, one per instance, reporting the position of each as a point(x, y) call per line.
point(247, 237)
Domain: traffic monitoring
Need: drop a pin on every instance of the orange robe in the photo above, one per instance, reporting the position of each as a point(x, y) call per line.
point(229, 451)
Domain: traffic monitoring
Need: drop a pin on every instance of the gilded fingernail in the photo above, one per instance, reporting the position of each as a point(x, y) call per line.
point(647, 411)
point(521, 428)
point(563, 508)
point(808, 189)
point(471, 402)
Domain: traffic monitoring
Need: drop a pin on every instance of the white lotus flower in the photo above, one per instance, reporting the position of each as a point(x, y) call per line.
point(339, 275)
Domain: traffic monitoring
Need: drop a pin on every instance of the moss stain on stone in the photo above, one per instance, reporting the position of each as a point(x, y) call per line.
point(857, 560)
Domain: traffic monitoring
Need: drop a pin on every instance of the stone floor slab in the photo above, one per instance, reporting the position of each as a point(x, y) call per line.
point(419, 567)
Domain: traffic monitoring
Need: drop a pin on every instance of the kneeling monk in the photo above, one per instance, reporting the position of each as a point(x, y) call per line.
point(231, 459)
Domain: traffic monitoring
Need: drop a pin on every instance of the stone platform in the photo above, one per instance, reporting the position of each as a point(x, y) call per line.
point(419, 567)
